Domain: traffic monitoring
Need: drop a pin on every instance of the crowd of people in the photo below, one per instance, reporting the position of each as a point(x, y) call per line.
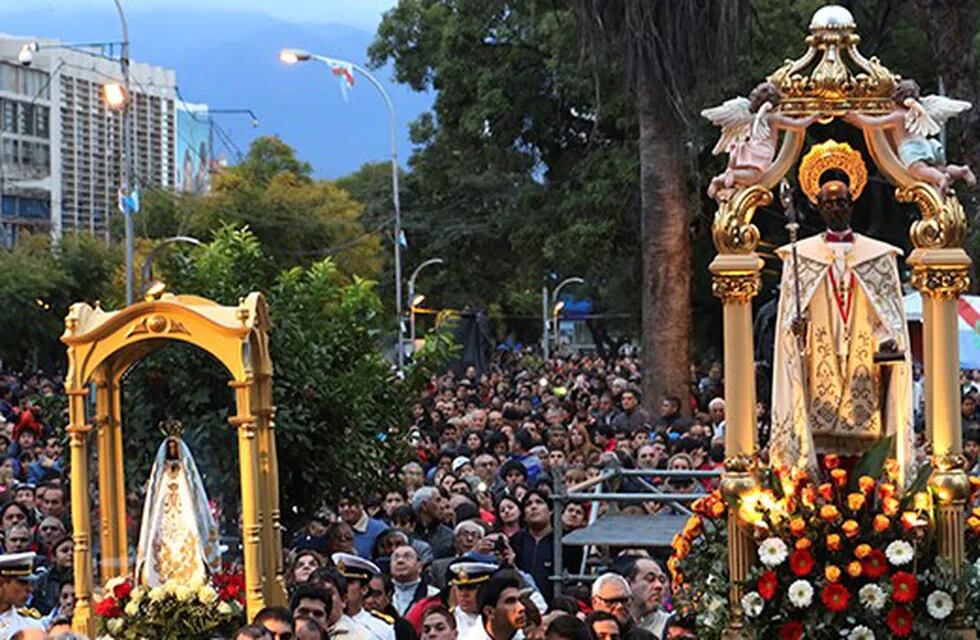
point(461, 545)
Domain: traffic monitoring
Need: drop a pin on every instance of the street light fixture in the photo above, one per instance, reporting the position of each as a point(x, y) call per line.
point(416, 300)
point(292, 56)
point(115, 95)
point(550, 302)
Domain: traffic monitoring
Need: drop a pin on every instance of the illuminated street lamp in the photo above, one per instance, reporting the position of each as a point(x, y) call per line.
point(416, 300)
point(292, 56)
point(550, 303)
point(115, 95)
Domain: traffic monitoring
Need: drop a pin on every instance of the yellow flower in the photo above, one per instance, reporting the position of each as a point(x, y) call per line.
point(803, 543)
point(850, 528)
point(862, 551)
point(854, 569)
point(829, 512)
point(855, 501)
point(832, 572)
point(866, 484)
point(890, 506)
point(207, 594)
point(833, 542)
point(881, 523)
point(797, 526)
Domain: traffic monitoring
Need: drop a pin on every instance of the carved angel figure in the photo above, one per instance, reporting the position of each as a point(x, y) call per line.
point(916, 120)
point(749, 134)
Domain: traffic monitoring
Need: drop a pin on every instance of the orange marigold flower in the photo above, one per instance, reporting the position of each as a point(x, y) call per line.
point(861, 551)
point(855, 501)
point(797, 526)
point(698, 506)
point(803, 543)
point(832, 573)
point(826, 491)
point(718, 509)
point(681, 546)
point(881, 523)
point(891, 467)
point(829, 512)
point(886, 490)
point(831, 461)
point(889, 507)
point(839, 476)
point(866, 484)
point(910, 521)
point(854, 569)
point(833, 542)
point(974, 523)
point(692, 529)
point(850, 528)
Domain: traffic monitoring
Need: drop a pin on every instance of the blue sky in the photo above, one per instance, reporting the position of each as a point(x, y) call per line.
point(360, 13)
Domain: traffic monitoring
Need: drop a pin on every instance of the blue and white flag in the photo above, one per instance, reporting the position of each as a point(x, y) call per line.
point(130, 203)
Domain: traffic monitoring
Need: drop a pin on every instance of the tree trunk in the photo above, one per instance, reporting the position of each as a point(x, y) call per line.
point(666, 248)
point(951, 27)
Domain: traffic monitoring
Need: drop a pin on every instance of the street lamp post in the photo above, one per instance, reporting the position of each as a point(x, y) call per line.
point(548, 302)
point(127, 141)
point(292, 56)
point(412, 298)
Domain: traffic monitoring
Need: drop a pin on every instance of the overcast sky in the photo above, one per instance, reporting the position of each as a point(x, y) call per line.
point(361, 13)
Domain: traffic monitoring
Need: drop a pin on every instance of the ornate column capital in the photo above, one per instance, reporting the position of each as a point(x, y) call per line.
point(736, 277)
point(940, 273)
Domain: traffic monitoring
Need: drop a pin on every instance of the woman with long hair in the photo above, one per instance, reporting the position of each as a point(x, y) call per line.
point(580, 442)
point(508, 515)
point(302, 566)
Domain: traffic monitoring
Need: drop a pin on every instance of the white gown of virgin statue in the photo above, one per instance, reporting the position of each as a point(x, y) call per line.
point(178, 536)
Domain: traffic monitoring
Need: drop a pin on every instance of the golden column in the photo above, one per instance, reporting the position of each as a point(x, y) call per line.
point(272, 536)
point(107, 489)
point(736, 282)
point(78, 432)
point(248, 459)
point(941, 275)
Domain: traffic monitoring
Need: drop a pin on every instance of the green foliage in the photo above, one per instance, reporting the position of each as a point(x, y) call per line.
point(338, 405)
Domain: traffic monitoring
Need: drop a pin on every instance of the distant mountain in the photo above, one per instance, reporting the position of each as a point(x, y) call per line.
point(230, 60)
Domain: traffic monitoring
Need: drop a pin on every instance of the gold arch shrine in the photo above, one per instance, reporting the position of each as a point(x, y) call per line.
point(102, 346)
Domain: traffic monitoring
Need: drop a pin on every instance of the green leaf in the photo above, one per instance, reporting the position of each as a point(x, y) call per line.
point(872, 463)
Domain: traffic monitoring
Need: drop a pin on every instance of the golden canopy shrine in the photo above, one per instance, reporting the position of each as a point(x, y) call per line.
point(102, 346)
point(764, 136)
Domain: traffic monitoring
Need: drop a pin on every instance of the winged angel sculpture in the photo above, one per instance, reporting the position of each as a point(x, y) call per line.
point(916, 121)
point(749, 135)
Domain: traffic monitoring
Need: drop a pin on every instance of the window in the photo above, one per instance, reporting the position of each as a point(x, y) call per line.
point(9, 152)
point(26, 151)
point(25, 119)
point(10, 116)
point(42, 120)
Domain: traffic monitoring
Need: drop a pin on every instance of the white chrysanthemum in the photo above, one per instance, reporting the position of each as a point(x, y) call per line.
point(801, 594)
point(861, 632)
point(872, 597)
point(157, 594)
point(131, 608)
point(115, 625)
point(772, 552)
point(939, 604)
point(225, 609)
point(207, 594)
point(899, 552)
point(752, 604)
point(136, 595)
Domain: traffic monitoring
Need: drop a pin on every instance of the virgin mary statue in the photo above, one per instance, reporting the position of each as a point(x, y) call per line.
point(178, 536)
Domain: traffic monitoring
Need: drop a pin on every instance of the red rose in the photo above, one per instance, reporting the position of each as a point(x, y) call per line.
point(801, 562)
point(108, 608)
point(792, 630)
point(835, 597)
point(904, 587)
point(899, 620)
point(122, 590)
point(767, 585)
point(874, 565)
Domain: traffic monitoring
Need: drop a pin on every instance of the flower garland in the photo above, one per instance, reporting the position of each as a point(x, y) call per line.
point(848, 557)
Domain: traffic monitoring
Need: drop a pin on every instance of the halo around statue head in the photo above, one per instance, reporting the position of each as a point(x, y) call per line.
point(832, 155)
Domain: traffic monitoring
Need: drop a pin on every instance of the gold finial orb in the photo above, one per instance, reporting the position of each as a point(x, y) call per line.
point(833, 16)
point(832, 155)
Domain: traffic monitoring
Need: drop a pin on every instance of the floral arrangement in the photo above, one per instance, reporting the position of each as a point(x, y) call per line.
point(850, 556)
point(194, 611)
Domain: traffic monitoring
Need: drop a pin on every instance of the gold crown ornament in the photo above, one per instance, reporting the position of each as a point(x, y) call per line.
point(832, 155)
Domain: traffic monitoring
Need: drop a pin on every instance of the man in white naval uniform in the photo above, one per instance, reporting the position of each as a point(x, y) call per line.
point(502, 615)
point(359, 572)
point(16, 577)
point(466, 578)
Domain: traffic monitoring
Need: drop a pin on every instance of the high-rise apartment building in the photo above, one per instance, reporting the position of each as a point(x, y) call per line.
point(61, 161)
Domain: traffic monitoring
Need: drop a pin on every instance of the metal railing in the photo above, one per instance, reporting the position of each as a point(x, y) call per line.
point(602, 489)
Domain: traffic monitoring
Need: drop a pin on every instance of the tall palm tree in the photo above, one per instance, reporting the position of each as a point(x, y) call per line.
point(673, 50)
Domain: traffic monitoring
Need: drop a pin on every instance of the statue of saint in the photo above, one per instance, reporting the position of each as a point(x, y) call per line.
point(842, 374)
point(178, 536)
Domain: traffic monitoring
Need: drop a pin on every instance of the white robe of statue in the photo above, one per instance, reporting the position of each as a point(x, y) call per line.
point(852, 296)
point(178, 536)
